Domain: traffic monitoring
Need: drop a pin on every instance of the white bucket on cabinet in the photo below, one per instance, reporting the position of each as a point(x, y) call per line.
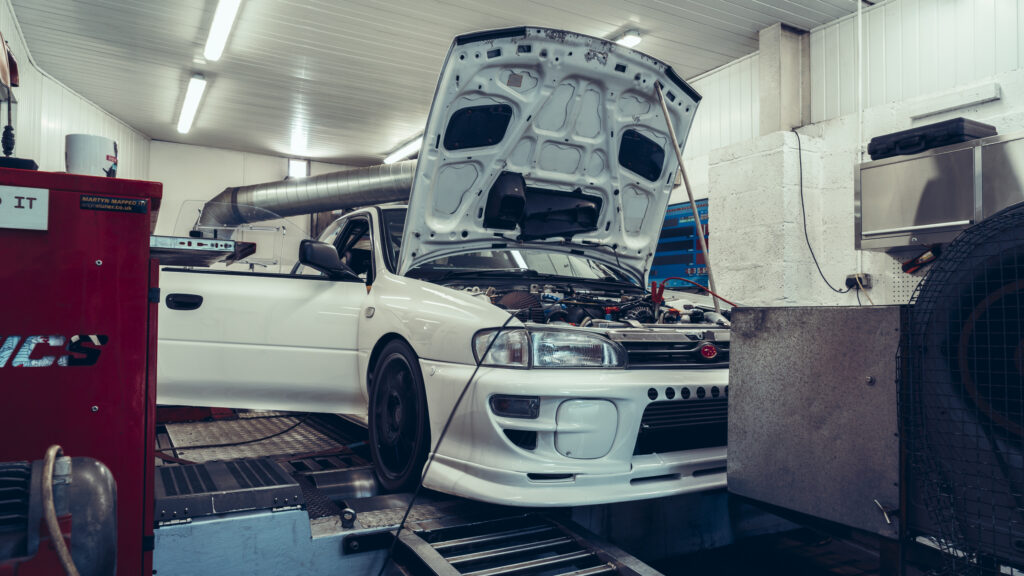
point(91, 155)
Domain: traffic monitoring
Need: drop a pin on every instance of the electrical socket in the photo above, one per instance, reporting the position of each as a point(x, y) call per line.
point(865, 280)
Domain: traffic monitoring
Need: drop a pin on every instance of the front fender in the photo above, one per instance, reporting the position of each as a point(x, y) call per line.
point(438, 322)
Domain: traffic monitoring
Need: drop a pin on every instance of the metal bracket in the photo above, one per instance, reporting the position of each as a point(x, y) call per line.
point(360, 543)
point(348, 518)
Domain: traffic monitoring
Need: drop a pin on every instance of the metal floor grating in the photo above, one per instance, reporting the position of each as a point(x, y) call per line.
point(525, 545)
point(302, 439)
point(183, 493)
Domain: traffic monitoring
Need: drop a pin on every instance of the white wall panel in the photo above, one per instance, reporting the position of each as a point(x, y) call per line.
point(729, 109)
point(47, 110)
point(913, 48)
point(194, 174)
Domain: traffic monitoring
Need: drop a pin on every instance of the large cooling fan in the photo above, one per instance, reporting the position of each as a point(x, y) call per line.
point(962, 399)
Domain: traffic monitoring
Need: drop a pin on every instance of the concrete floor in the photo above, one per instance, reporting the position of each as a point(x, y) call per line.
point(800, 552)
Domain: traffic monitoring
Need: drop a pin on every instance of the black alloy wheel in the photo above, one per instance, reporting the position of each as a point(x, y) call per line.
point(399, 426)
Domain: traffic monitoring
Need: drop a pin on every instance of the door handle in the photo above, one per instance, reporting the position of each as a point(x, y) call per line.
point(184, 301)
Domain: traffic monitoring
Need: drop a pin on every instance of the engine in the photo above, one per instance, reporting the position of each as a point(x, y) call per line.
point(551, 304)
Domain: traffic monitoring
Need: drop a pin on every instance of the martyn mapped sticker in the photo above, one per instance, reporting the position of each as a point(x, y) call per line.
point(113, 204)
point(24, 208)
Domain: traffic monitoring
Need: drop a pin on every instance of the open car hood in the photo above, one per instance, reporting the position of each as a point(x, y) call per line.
point(545, 139)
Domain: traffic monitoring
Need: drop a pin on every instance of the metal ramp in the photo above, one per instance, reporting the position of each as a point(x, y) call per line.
point(530, 544)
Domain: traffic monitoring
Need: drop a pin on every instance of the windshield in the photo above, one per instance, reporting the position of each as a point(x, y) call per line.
point(523, 261)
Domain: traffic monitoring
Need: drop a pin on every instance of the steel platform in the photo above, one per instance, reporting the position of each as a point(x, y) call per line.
point(268, 493)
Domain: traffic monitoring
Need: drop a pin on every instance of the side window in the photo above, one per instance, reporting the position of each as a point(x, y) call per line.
point(355, 248)
point(330, 236)
point(351, 238)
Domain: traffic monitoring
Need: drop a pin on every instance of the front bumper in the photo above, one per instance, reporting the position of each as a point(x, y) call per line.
point(478, 460)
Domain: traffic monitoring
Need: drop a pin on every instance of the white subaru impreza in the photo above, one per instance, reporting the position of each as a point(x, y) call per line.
point(519, 268)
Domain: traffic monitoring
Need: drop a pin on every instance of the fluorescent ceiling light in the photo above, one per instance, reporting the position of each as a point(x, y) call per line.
point(405, 151)
point(223, 19)
point(630, 39)
point(298, 168)
point(194, 93)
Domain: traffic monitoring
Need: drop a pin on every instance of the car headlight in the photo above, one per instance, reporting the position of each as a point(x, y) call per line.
point(563, 349)
point(517, 348)
point(510, 350)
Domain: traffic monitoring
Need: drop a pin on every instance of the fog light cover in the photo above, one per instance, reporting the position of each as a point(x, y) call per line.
point(515, 406)
point(585, 429)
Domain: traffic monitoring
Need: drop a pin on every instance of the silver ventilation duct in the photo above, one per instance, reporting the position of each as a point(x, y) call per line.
point(334, 191)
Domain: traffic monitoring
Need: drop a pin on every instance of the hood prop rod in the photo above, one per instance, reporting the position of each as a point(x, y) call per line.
point(658, 88)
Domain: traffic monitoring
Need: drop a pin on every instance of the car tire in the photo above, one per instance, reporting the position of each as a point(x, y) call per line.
point(398, 420)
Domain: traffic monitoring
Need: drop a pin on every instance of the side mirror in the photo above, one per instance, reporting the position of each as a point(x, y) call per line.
point(323, 257)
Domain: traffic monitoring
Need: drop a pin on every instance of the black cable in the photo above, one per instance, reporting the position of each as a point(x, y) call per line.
point(229, 444)
point(437, 445)
point(803, 214)
point(858, 297)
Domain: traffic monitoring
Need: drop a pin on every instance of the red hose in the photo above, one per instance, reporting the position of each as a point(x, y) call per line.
point(697, 284)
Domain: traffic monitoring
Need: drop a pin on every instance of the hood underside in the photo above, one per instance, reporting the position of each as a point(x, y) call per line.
point(545, 139)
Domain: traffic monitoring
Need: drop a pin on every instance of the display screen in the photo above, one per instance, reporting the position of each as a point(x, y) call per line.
point(678, 253)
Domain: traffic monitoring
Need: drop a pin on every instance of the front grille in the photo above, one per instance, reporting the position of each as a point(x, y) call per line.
point(673, 355)
point(674, 425)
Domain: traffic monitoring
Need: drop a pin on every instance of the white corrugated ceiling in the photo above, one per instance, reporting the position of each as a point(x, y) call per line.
point(344, 81)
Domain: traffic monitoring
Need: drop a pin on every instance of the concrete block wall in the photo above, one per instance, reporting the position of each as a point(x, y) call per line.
point(757, 243)
point(758, 250)
point(834, 223)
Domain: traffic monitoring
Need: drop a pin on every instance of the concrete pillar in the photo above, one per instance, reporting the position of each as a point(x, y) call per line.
point(784, 78)
point(757, 239)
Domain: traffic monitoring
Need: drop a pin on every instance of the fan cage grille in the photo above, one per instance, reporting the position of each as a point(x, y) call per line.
point(962, 400)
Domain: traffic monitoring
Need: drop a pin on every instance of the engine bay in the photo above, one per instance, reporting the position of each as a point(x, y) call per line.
point(589, 306)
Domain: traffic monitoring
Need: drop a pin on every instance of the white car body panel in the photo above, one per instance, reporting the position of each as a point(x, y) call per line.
point(573, 99)
point(259, 371)
point(302, 343)
point(249, 334)
point(478, 461)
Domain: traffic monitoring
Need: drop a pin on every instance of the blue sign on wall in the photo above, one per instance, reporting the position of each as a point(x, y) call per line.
point(678, 253)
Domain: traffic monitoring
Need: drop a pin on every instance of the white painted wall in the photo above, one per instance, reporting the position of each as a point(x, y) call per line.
point(193, 175)
point(729, 108)
point(758, 247)
point(925, 61)
point(47, 111)
point(913, 48)
point(831, 222)
point(728, 113)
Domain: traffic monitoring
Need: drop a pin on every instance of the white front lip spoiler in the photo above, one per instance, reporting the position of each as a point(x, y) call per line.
point(651, 476)
point(477, 461)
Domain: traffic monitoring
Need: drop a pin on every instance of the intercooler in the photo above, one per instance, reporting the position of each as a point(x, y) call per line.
point(695, 420)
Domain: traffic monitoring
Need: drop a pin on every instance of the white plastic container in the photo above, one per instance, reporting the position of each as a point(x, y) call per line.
point(91, 155)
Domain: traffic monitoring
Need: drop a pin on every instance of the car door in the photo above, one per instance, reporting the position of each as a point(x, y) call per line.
point(264, 341)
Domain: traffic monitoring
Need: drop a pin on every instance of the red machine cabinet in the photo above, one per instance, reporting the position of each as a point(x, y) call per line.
point(78, 295)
